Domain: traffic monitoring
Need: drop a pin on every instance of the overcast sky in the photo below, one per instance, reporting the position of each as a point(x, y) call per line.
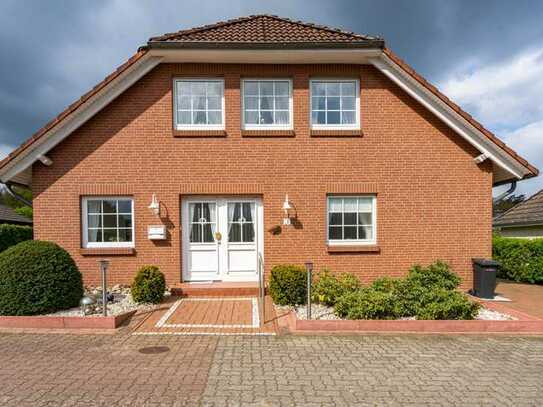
point(485, 55)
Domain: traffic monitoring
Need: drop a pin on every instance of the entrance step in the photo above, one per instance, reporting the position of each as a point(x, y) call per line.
point(215, 289)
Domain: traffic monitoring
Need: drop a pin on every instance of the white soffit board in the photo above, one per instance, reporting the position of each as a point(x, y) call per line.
point(410, 85)
point(268, 56)
point(77, 118)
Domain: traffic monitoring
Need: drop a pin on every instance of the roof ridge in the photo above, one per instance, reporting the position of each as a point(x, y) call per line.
point(220, 24)
point(322, 27)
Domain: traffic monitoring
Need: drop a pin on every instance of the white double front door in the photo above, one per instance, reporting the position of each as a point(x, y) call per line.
point(222, 238)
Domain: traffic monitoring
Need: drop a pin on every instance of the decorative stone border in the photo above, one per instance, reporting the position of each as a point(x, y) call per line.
point(525, 324)
point(65, 322)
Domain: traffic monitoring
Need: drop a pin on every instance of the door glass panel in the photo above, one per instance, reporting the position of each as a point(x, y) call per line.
point(207, 233)
point(248, 233)
point(234, 233)
point(241, 217)
point(202, 222)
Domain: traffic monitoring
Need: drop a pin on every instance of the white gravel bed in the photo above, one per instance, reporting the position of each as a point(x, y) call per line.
point(121, 303)
point(486, 314)
point(323, 312)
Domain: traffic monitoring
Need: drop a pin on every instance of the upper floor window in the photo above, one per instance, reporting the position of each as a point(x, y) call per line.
point(267, 104)
point(351, 220)
point(335, 104)
point(199, 104)
point(108, 222)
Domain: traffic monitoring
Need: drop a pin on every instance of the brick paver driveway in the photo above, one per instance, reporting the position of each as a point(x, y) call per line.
point(59, 369)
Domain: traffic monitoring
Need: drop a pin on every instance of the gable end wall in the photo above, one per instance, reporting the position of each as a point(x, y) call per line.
point(433, 201)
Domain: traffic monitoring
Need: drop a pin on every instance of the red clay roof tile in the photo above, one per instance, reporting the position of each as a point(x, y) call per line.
point(263, 29)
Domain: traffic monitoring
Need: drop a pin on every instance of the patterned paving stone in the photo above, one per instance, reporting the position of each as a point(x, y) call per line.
point(58, 369)
point(376, 370)
point(61, 369)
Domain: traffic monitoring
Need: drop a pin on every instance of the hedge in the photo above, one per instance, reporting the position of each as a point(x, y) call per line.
point(38, 277)
point(10, 235)
point(521, 259)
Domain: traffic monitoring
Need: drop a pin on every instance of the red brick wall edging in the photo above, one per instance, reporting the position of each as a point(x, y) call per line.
point(289, 323)
point(53, 322)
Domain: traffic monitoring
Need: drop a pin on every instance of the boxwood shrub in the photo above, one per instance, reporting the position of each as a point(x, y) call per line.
point(38, 277)
point(288, 284)
point(149, 285)
point(521, 259)
point(10, 235)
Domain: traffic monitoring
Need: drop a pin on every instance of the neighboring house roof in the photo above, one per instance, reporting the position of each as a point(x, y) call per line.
point(528, 212)
point(265, 29)
point(262, 32)
point(8, 215)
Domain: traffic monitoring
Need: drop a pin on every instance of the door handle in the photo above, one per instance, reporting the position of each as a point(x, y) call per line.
point(218, 237)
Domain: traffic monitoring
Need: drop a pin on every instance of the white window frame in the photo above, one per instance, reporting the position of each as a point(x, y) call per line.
point(355, 125)
point(353, 242)
point(85, 220)
point(288, 126)
point(197, 126)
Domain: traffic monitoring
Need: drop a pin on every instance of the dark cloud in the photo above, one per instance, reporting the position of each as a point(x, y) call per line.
point(54, 51)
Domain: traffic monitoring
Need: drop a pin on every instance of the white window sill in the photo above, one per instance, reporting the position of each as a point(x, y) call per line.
point(199, 128)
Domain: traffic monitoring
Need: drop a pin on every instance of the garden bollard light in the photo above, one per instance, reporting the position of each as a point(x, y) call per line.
point(103, 268)
point(309, 269)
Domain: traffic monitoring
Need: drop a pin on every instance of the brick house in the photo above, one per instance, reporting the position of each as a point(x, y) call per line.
point(263, 136)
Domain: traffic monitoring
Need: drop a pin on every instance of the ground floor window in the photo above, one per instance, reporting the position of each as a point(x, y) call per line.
point(351, 219)
point(108, 222)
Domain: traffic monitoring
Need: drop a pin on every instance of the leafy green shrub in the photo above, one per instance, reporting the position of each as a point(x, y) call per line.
point(10, 235)
point(521, 259)
point(366, 303)
point(288, 284)
point(38, 277)
point(436, 274)
point(426, 293)
point(149, 285)
point(329, 288)
point(440, 303)
point(385, 284)
point(24, 211)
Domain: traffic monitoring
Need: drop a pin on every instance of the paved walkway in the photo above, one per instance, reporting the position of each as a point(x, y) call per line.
point(209, 315)
point(131, 370)
point(526, 298)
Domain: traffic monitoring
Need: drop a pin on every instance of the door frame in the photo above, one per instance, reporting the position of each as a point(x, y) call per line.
point(222, 257)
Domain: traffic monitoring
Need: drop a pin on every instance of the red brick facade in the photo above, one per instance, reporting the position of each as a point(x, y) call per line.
point(433, 200)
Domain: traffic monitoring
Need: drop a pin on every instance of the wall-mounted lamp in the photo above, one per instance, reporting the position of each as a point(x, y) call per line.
point(155, 205)
point(287, 207)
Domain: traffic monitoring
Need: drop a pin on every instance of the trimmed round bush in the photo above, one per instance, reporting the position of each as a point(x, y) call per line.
point(149, 285)
point(329, 288)
point(288, 284)
point(38, 277)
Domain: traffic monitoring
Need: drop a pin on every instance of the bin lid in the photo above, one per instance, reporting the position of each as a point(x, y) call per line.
point(486, 262)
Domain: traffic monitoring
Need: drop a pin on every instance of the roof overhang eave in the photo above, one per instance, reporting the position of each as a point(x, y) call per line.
point(500, 158)
point(517, 224)
point(365, 44)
